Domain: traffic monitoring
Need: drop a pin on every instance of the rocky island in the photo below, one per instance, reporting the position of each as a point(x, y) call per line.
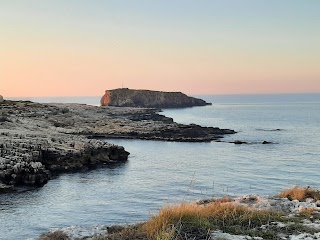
point(124, 97)
point(37, 140)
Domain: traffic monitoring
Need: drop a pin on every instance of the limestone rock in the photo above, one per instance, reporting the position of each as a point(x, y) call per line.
point(124, 97)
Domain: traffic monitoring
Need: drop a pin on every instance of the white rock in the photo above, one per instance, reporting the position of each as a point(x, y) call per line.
point(303, 236)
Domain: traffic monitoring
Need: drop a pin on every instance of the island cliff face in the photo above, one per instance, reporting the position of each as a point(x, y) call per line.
point(124, 97)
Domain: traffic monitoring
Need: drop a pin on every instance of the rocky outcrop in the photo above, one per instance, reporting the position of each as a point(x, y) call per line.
point(1, 99)
point(124, 97)
point(30, 160)
point(32, 147)
point(39, 139)
point(173, 133)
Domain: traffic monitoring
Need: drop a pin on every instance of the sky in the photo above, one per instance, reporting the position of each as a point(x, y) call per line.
point(82, 48)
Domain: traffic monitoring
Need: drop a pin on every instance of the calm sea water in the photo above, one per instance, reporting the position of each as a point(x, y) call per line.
point(158, 173)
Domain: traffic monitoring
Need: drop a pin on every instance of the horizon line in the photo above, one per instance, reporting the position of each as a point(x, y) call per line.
point(201, 94)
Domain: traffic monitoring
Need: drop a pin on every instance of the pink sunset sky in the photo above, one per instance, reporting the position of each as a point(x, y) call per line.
point(81, 48)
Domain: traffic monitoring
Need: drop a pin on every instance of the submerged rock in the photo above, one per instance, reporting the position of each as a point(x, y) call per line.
point(238, 142)
point(124, 97)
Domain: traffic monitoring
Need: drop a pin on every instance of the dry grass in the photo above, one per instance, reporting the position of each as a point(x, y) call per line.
point(307, 212)
point(191, 221)
point(299, 193)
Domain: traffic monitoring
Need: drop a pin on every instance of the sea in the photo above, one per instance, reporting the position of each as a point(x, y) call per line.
point(161, 173)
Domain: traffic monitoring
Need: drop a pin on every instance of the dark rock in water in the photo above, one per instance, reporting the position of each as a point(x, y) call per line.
point(124, 97)
point(244, 142)
point(239, 142)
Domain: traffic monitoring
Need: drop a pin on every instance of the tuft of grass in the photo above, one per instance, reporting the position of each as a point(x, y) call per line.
point(300, 194)
point(188, 221)
point(56, 235)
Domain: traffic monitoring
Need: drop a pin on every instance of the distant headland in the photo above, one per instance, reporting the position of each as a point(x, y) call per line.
point(125, 97)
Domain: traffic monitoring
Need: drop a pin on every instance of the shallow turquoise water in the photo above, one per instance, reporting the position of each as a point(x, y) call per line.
point(161, 172)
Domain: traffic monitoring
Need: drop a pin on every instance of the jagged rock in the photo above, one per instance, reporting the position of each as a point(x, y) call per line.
point(124, 97)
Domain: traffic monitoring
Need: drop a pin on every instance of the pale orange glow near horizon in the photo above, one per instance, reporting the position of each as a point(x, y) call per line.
point(47, 51)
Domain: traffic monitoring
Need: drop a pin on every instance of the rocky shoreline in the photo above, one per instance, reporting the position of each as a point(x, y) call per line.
point(298, 220)
point(37, 140)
